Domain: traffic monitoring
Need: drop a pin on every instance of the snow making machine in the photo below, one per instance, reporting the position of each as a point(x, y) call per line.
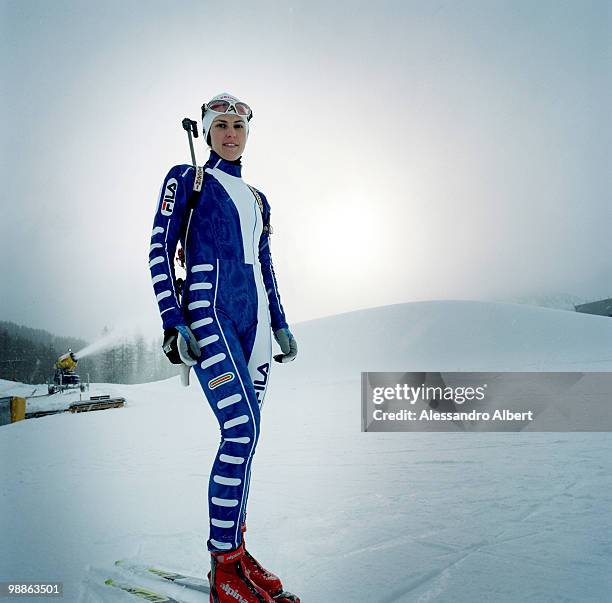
point(65, 376)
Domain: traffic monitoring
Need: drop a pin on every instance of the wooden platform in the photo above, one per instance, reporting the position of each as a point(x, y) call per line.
point(94, 403)
point(97, 403)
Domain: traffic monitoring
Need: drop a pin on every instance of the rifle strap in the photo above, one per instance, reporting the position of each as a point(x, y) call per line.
point(267, 227)
point(198, 182)
point(199, 178)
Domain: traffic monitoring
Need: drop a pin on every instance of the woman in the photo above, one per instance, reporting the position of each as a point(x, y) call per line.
point(221, 326)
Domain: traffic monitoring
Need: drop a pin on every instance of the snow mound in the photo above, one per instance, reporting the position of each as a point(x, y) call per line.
point(340, 515)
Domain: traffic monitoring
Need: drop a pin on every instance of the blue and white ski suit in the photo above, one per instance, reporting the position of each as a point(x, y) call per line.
point(230, 301)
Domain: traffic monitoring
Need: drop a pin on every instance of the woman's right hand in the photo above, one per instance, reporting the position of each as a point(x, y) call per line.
point(181, 346)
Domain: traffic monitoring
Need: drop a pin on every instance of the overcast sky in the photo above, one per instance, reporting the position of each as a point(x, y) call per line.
point(410, 150)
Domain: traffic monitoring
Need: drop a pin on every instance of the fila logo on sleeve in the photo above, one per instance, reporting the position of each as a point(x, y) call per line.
point(167, 204)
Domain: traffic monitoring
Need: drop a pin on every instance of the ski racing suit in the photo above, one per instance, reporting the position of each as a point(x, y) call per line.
point(230, 301)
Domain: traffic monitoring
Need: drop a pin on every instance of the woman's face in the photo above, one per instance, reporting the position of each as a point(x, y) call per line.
point(228, 136)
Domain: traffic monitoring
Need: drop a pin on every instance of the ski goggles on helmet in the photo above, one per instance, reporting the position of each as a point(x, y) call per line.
point(226, 106)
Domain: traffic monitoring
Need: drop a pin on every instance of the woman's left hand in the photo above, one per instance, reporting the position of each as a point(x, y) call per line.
point(288, 345)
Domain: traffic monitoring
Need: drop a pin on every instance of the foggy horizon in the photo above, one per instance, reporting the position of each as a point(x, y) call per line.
point(410, 151)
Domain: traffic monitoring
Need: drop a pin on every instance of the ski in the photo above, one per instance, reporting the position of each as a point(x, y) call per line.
point(180, 579)
point(286, 597)
point(187, 581)
point(141, 593)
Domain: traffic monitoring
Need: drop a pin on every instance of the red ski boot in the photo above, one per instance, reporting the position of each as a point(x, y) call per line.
point(230, 583)
point(264, 578)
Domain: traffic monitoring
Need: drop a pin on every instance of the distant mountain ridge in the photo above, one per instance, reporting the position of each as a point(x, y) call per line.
point(559, 301)
point(41, 336)
point(28, 354)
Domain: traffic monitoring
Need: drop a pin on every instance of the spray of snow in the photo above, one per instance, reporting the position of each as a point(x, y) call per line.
point(108, 341)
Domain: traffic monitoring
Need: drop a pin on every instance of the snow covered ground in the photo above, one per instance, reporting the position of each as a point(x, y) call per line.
point(38, 399)
point(12, 388)
point(342, 516)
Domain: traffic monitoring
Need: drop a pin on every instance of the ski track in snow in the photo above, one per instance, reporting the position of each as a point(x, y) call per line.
point(341, 516)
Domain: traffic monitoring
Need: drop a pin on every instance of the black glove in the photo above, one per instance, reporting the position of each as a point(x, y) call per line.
point(181, 346)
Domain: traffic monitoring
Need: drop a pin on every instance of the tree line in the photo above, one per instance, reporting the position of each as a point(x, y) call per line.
point(28, 356)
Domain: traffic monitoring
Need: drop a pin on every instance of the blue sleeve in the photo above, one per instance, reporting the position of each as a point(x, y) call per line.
point(277, 314)
point(167, 227)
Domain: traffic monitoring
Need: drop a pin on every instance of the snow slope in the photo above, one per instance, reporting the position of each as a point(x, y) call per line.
point(12, 388)
point(342, 516)
point(37, 398)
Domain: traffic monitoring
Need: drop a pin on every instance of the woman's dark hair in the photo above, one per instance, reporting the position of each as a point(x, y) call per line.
point(208, 142)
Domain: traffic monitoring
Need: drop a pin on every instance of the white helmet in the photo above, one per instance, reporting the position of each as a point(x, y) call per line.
point(221, 104)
